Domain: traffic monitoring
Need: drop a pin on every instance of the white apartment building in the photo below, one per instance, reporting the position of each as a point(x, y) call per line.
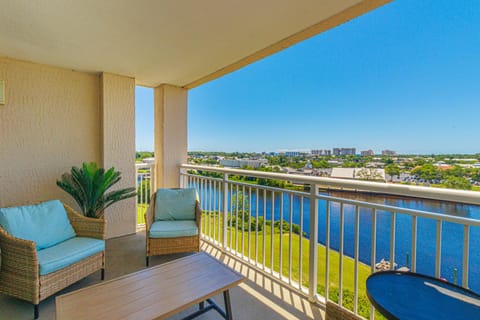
point(238, 163)
point(344, 151)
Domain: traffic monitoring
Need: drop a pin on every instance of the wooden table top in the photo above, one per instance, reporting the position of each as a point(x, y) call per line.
point(154, 293)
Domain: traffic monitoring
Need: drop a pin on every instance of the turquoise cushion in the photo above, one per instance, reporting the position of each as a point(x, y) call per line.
point(175, 204)
point(173, 229)
point(68, 252)
point(45, 223)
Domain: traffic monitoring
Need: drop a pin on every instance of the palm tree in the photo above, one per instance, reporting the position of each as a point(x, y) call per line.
point(88, 185)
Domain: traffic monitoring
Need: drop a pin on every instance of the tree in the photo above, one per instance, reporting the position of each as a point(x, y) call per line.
point(453, 182)
point(476, 175)
point(456, 171)
point(369, 174)
point(392, 170)
point(320, 164)
point(427, 172)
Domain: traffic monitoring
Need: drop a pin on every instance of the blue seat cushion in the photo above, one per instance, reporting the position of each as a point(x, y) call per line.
point(175, 204)
point(173, 229)
point(68, 252)
point(45, 223)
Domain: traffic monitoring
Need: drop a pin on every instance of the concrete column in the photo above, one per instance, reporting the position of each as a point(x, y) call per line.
point(117, 101)
point(170, 134)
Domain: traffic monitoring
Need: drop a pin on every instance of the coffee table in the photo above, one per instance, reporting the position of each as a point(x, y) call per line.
point(155, 293)
point(408, 295)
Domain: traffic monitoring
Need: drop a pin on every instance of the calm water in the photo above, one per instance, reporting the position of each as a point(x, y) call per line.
point(452, 234)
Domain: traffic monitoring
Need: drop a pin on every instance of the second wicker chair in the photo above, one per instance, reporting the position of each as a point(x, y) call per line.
point(173, 222)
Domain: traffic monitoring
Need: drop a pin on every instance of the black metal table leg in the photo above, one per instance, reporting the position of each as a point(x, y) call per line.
point(228, 307)
point(201, 305)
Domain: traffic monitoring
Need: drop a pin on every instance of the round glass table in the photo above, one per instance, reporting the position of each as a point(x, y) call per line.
point(407, 295)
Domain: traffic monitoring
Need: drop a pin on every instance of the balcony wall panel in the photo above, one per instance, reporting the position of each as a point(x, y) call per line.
point(50, 122)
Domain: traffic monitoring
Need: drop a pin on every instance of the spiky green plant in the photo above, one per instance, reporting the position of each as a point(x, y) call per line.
point(88, 185)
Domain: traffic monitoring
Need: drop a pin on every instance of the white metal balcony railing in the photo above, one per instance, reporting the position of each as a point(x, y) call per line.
point(325, 246)
point(145, 182)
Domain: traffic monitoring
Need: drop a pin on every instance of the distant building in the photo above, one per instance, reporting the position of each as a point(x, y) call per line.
point(344, 151)
point(359, 174)
point(294, 153)
point(321, 152)
point(148, 160)
point(367, 153)
point(343, 173)
point(389, 153)
point(238, 163)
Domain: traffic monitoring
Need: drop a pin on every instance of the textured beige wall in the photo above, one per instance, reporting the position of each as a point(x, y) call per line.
point(170, 134)
point(118, 145)
point(50, 122)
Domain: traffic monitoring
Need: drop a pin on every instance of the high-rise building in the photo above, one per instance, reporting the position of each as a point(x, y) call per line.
point(321, 152)
point(389, 153)
point(367, 153)
point(344, 151)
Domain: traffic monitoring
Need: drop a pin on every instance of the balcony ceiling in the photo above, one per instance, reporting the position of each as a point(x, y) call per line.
point(179, 42)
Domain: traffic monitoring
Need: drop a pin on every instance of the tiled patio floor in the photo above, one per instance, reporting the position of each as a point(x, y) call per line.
point(258, 298)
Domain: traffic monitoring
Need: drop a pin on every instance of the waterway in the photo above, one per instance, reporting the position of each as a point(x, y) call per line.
point(452, 234)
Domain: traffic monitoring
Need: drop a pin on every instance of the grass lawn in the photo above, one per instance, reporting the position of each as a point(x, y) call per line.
point(141, 209)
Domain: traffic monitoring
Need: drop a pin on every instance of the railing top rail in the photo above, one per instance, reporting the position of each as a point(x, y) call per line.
point(361, 204)
point(144, 165)
point(462, 196)
point(413, 212)
point(251, 185)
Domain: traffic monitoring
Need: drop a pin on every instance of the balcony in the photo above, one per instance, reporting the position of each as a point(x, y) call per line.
point(332, 268)
point(70, 73)
point(328, 245)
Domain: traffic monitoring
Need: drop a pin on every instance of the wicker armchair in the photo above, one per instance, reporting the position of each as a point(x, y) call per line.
point(19, 272)
point(160, 246)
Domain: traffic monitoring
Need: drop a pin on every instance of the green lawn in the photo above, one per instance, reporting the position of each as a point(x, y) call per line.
point(141, 209)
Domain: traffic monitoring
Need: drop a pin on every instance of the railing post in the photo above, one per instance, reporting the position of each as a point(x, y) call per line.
point(152, 180)
point(136, 189)
point(313, 258)
point(180, 179)
point(224, 211)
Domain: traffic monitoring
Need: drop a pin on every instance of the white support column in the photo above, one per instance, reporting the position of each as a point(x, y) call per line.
point(170, 134)
point(117, 102)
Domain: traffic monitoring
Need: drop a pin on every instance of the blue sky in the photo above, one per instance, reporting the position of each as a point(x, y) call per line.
point(404, 77)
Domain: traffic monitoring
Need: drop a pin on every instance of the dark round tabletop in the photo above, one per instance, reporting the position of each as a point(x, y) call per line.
point(407, 295)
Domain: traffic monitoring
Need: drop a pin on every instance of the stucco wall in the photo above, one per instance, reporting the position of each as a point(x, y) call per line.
point(50, 122)
point(170, 134)
point(118, 146)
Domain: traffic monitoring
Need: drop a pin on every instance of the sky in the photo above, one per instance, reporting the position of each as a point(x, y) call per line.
point(405, 77)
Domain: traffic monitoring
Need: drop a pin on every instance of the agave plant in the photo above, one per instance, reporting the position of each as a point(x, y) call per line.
point(88, 185)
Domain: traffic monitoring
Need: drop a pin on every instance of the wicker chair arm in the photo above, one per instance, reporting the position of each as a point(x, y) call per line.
point(84, 226)
point(19, 259)
point(150, 213)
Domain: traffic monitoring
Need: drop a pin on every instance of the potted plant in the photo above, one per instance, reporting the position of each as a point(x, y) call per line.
point(89, 184)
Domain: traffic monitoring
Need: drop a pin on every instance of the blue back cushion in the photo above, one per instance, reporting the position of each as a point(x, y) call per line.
point(175, 204)
point(45, 223)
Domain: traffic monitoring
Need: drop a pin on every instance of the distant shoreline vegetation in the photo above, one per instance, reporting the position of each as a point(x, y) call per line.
point(453, 171)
